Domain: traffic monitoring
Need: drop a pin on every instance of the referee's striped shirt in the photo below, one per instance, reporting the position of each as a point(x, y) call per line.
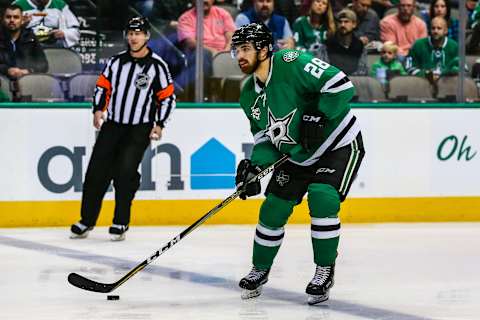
point(135, 91)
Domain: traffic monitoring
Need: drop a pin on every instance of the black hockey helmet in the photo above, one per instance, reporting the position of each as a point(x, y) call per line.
point(138, 24)
point(256, 33)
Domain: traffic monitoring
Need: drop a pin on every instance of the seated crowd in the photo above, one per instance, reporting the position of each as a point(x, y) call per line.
point(408, 38)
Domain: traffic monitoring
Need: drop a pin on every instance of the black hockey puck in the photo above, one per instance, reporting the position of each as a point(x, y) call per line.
point(113, 297)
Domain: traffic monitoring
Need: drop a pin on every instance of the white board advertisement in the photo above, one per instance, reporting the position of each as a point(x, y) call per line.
point(409, 153)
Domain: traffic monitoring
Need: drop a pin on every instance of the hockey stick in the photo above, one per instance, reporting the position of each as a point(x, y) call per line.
point(90, 285)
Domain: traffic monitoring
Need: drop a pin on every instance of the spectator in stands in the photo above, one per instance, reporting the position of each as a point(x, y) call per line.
point(165, 14)
point(368, 24)
point(20, 51)
point(286, 8)
point(345, 50)
point(315, 26)
point(387, 66)
point(218, 27)
point(434, 56)
point(472, 45)
point(381, 6)
point(52, 22)
point(262, 12)
point(441, 8)
point(403, 28)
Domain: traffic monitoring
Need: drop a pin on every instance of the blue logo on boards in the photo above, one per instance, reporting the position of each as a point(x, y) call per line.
point(212, 167)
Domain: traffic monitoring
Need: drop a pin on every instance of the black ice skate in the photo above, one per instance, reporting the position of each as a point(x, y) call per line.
point(318, 289)
point(117, 232)
point(79, 231)
point(252, 283)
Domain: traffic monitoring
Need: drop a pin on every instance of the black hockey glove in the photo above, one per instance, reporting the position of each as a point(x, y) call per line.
point(311, 129)
point(246, 171)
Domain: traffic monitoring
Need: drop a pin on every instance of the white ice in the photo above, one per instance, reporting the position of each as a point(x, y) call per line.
point(384, 271)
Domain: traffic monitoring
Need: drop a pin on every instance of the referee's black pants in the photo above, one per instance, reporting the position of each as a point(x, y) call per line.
point(116, 156)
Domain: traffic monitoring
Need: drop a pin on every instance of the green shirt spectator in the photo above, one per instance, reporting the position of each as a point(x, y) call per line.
point(315, 26)
point(425, 57)
point(436, 55)
point(392, 67)
point(388, 64)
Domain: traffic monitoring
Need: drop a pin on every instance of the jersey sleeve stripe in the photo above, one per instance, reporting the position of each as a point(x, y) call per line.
point(165, 93)
point(103, 92)
point(341, 88)
point(337, 83)
point(104, 82)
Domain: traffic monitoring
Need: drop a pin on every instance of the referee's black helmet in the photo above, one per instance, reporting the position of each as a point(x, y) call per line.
point(256, 33)
point(138, 24)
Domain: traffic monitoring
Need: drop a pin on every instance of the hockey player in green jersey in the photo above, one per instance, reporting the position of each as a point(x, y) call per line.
point(297, 105)
point(434, 56)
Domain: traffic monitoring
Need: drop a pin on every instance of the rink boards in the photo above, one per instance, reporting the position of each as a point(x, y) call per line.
point(420, 165)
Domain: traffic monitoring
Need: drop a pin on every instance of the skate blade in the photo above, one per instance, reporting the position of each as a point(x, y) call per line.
point(312, 300)
point(78, 236)
point(249, 294)
point(117, 237)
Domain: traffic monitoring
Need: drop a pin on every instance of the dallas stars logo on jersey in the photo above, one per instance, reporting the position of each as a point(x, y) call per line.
point(256, 109)
point(278, 129)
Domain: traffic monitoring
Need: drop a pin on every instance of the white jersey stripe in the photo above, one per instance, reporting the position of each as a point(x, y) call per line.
point(344, 86)
point(270, 232)
point(339, 76)
point(267, 243)
point(135, 84)
point(325, 221)
point(325, 234)
point(317, 154)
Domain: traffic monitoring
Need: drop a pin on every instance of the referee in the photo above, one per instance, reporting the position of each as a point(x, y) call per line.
point(135, 91)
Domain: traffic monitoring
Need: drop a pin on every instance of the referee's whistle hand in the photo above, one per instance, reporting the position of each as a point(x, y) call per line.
point(156, 133)
point(97, 119)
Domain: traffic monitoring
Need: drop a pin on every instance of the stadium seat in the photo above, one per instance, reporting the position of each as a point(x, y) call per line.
point(224, 65)
point(371, 59)
point(63, 62)
point(40, 88)
point(410, 88)
point(232, 86)
point(447, 89)
point(233, 10)
point(470, 61)
point(5, 86)
point(368, 89)
point(82, 87)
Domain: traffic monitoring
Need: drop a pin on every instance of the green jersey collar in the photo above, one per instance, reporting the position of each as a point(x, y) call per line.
point(258, 89)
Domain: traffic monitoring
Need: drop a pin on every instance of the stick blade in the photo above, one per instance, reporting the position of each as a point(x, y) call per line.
point(86, 284)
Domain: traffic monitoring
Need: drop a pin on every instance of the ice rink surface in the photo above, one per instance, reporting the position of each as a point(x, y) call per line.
point(384, 271)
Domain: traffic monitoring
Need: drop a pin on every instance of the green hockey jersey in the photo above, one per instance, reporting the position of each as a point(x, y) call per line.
point(308, 38)
point(58, 16)
point(297, 83)
point(423, 56)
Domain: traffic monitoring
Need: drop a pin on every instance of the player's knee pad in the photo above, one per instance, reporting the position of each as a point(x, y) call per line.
point(323, 201)
point(275, 211)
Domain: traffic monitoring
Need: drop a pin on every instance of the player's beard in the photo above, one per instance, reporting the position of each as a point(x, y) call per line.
point(246, 67)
